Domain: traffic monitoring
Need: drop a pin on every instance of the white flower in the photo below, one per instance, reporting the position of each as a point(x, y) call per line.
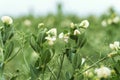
point(83, 60)
point(115, 45)
point(7, 20)
point(112, 46)
point(66, 37)
point(50, 40)
point(104, 23)
point(116, 19)
point(84, 24)
point(52, 32)
point(76, 32)
point(40, 25)
point(72, 25)
point(103, 72)
point(27, 22)
point(63, 36)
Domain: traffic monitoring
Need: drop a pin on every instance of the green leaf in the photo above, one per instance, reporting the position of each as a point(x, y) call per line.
point(34, 44)
point(68, 75)
point(76, 61)
point(81, 40)
point(117, 67)
point(7, 34)
point(41, 37)
point(34, 73)
point(74, 37)
point(9, 50)
point(46, 56)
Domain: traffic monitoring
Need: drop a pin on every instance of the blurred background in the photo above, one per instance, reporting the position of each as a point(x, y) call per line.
point(43, 7)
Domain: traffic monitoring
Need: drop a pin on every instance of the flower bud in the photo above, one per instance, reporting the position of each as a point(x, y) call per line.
point(83, 61)
point(52, 32)
point(7, 20)
point(104, 23)
point(76, 32)
point(40, 25)
point(63, 36)
point(72, 25)
point(115, 45)
point(27, 22)
point(110, 55)
point(116, 19)
point(84, 24)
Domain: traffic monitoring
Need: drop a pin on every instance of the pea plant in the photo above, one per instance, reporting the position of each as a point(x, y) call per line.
point(58, 53)
point(6, 43)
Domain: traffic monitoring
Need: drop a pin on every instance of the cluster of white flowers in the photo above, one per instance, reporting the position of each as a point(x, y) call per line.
point(63, 36)
point(52, 34)
point(27, 22)
point(103, 72)
point(115, 45)
point(84, 24)
point(109, 21)
point(7, 20)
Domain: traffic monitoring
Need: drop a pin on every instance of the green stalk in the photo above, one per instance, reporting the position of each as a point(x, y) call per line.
point(2, 63)
point(1, 71)
point(52, 72)
point(24, 58)
point(104, 58)
point(58, 76)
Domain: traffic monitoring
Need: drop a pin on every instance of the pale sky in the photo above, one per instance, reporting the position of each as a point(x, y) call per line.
point(42, 7)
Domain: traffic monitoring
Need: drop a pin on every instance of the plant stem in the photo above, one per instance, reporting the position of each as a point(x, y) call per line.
point(1, 71)
point(22, 46)
point(2, 62)
point(104, 58)
point(26, 63)
point(60, 67)
point(52, 72)
point(9, 59)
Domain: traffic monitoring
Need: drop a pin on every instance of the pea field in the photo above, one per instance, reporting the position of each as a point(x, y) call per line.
point(60, 47)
